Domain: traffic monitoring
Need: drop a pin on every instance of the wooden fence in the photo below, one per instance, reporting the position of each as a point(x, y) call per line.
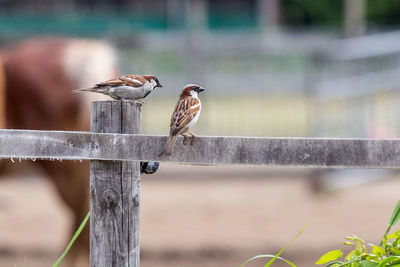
point(115, 149)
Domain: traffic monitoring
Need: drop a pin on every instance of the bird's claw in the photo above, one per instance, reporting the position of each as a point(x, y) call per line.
point(140, 102)
point(184, 140)
point(192, 140)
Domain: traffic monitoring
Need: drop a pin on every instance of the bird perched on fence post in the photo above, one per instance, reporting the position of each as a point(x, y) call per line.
point(184, 117)
point(128, 87)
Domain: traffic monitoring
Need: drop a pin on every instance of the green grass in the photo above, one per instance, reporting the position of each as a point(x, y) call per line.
point(76, 235)
point(277, 256)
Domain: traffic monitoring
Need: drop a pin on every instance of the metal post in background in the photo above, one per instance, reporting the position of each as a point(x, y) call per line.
point(354, 17)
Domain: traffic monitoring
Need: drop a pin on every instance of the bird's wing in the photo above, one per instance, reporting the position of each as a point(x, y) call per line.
point(139, 78)
point(185, 110)
point(126, 80)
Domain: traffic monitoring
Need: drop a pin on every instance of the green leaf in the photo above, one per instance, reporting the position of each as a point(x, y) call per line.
point(353, 255)
point(377, 250)
point(335, 264)
point(389, 261)
point(268, 256)
point(330, 256)
point(396, 215)
point(394, 235)
point(352, 263)
point(360, 248)
point(393, 220)
point(373, 258)
point(354, 238)
point(395, 251)
point(348, 243)
point(77, 233)
point(368, 264)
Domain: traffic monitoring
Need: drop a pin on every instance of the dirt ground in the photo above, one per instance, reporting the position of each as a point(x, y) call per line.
point(209, 216)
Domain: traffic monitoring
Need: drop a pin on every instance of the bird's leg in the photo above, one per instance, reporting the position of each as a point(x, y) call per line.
point(184, 139)
point(140, 102)
point(192, 138)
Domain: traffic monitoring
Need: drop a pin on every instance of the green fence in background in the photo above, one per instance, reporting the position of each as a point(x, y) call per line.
point(101, 23)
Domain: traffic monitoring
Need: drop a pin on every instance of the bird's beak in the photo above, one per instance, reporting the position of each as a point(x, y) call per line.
point(200, 89)
point(159, 84)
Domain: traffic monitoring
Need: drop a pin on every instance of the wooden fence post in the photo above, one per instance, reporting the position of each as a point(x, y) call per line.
point(114, 191)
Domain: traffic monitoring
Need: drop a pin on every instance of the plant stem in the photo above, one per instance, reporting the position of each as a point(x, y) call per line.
point(77, 233)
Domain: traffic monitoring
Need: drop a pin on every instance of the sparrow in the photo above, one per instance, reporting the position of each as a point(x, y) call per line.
point(184, 117)
point(127, 87)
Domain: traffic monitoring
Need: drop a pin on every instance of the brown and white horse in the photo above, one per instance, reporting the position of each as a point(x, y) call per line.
point(36, 80)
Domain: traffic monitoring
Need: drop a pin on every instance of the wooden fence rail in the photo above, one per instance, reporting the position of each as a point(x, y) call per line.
point(115, 149)
point(207, 150)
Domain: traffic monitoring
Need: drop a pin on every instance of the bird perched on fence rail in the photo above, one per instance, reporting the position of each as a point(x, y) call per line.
point(184, 117)
point(127, 87)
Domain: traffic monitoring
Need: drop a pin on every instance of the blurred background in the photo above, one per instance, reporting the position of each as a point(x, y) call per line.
point(271, 68)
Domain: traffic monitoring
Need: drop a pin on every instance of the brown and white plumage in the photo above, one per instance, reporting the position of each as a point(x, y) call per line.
point(130, 87)
point(184, 117)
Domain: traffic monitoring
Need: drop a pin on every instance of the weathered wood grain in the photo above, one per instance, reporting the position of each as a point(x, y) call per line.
point(207, 150)
point(115, 191)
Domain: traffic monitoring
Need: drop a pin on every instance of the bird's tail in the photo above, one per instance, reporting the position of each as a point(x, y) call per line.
point(91, 89)
point(169, 145)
